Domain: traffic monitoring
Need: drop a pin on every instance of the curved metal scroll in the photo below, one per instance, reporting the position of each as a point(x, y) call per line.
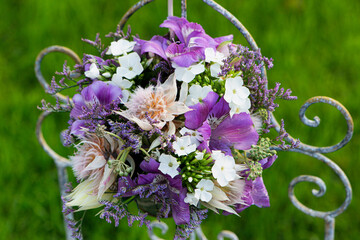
point(313, 151)
point(61, 162)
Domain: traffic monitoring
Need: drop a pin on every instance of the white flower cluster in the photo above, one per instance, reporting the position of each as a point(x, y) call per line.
point(130, 66)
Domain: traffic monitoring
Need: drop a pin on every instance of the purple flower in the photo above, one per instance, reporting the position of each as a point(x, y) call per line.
point(254, 193)
point(153, 183)
point(96, 101)
point(220, 131)
point(191, 46)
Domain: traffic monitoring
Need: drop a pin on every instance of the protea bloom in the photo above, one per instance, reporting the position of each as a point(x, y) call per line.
point(155, 106)
point(90, 166)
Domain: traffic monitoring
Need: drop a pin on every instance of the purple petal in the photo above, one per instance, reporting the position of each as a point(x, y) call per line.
point(77, 127)
point(267, 162)
point(175, 49)
point(201, 39)
point(185, 59)
point(156, 45)
point(175, 24)
point(259, 193)
point(195, 118)
point(103, 92)
point(180, 209)
point(151, 166)
point(237, 131)
point(220, 109)
point(205, 131)
point(79, 105)
point(146, 178)
point(219, 40)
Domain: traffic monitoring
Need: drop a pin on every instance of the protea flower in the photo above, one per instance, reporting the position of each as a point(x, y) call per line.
point(90, 165)
point(155, 106)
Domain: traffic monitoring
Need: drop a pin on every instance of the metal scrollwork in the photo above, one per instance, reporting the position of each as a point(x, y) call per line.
point(313, 151)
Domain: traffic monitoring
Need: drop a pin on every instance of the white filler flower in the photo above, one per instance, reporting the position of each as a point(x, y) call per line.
point(93, 72)
point(187, 74)
point(216, 59)
point(237, 95)
point(168, 165)
point(197, 93)
point(124, 84)
point(120, 47)
point(184, 146)
point(203, 189)
point(130, 66)
point(191, 199)
point(224, 168)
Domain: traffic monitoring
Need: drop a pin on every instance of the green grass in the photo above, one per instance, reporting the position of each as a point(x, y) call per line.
point(315, 46)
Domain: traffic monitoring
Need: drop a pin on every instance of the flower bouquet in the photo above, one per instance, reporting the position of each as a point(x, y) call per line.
point(176, 124)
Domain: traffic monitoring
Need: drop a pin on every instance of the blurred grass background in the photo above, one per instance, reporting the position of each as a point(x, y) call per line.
point(316, 51)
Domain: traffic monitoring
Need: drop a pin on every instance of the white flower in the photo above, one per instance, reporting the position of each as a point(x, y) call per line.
point(235, 91)
point(224, 168)
point(203, 189)
point(130, 66)
point(216, 59)
point(187, 74)
point(199, 155)
point(93, 72)
point(215, 69)
point(214, 56)
point(184, 146)
point(191, 199)
point(120, 47)
point(168, 165)
point(124, 84)
point(197, 93)
point(244, 107)
point(195, 136)
point(106, 74)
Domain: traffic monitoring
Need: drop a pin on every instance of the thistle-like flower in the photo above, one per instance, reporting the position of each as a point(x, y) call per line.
point(90, 165)
point(157, 103)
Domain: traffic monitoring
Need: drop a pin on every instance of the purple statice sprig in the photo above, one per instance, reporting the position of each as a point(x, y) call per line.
point(117, 211)
point(283, 139)
point(96, 44)
point(196, 217)
point(58, 107)
point(73, 225)
point(129, 132)
point(118, 34)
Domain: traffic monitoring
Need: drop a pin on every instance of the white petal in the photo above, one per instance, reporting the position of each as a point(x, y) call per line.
point(98, 162)
point(205, 196)
point(197, 69)
point(183, 91)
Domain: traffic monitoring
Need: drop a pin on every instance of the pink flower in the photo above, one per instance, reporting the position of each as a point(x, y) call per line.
point(155, 106)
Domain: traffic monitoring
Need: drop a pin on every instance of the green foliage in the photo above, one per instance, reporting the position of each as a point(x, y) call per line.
point(315, 46)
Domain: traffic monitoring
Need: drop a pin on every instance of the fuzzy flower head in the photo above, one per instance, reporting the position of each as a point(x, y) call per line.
point(90, 163)
point(154, 106)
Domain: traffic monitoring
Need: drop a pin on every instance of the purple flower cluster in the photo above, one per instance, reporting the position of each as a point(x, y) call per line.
point(191, 44)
